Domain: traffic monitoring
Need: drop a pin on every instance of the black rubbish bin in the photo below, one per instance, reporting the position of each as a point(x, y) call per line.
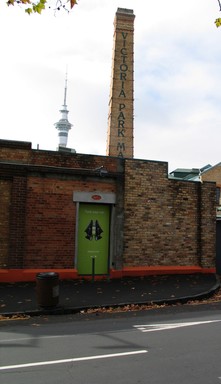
point(47, 289)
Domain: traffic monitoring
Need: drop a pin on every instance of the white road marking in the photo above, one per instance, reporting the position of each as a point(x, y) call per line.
point(163, 327)
point(71, 360)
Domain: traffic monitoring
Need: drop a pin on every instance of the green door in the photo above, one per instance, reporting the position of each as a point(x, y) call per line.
point(93, 239)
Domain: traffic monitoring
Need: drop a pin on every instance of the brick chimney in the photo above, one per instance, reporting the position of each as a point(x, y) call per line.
point(120, 135)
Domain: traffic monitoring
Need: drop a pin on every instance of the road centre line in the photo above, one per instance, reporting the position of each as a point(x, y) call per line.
point(72, 360)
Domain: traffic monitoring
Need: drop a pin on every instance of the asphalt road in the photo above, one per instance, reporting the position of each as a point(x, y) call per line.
point(169, 345)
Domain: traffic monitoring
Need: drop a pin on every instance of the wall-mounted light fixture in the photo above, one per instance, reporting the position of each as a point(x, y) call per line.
point(101, 171)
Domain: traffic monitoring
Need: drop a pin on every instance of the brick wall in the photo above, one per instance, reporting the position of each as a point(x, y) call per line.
point(208, 224)
point(17, 222)
point(5, 201)
point(12, 217)
point(15, 151)
point(51, 219)
point(158, 221)
point(38, 218)
point(21, 153)
point(213, 174)
point(167, 222)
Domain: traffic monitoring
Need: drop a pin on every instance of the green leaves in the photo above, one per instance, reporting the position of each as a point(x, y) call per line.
point(21, 2)
point(218, 22)
point(37, 7)
point(28, 10)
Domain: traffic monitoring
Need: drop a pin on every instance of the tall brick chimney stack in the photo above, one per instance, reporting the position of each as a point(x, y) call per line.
point(121, 103)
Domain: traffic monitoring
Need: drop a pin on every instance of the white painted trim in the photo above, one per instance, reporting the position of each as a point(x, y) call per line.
point(96, 197)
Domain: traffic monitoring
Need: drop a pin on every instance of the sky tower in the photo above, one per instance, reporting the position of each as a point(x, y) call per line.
point(63, 125)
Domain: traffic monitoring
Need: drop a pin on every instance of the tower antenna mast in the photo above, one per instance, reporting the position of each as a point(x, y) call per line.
point(63, 126)
point(65, 87)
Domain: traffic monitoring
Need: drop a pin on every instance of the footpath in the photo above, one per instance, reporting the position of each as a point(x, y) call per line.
point(77, 295)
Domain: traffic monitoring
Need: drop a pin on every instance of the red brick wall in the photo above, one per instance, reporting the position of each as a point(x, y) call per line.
point(19, 152)
point(158, 222)
point(15, 151)
point(17, 222)
point(51, 220)
point(5, 201)
point(37, 224)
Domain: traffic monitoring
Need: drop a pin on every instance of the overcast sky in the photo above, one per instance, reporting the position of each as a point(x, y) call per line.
point(177, 77)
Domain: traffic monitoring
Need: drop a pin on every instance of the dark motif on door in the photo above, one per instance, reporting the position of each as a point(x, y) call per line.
point(93, 230)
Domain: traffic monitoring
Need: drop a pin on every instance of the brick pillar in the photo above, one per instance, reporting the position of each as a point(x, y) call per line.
point(208, 225)
point(5, 200)
point(121, 102)
point(118, 232)
point(17, 222)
